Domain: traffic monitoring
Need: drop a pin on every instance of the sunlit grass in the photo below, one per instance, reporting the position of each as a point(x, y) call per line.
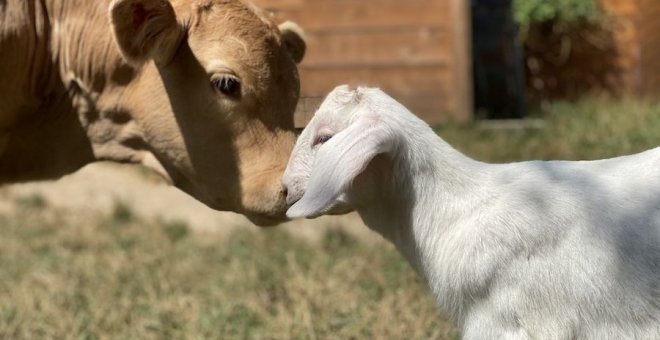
point(589, 129)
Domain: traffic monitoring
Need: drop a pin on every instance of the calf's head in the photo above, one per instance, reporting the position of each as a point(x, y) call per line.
point(214, 94)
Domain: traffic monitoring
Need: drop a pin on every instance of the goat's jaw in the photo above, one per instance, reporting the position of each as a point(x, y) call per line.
point(341, 206)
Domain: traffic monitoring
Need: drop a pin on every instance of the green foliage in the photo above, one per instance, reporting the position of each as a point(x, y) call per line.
point(527, 12)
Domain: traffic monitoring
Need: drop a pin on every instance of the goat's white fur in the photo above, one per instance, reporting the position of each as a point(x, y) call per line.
point(530, 250)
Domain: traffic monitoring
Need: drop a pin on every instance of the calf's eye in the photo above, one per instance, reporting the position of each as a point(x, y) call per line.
point(227, 85)
point(321, 139)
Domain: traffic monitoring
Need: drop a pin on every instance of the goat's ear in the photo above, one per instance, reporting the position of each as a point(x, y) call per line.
point(340, 161)
point(145, 29)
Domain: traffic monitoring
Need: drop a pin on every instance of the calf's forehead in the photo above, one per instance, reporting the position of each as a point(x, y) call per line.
point(236, 19)
point(236, 31)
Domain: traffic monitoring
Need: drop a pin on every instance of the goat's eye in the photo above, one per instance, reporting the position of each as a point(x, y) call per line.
point(321, 139)
point(228, 85)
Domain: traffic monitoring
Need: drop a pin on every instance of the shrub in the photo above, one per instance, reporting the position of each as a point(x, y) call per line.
point(528, 12)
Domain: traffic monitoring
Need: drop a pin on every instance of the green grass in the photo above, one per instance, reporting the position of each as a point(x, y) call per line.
point(118, 276)
point(589, 129)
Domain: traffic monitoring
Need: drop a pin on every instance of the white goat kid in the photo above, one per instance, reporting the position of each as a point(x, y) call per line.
point(531, 250)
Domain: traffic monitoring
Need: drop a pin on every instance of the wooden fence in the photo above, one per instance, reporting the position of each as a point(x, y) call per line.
point(416, 50)
point(636, 30)
point(649, 42)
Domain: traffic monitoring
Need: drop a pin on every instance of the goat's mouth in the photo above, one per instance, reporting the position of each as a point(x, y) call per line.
point(338, 208)
point(291, 202)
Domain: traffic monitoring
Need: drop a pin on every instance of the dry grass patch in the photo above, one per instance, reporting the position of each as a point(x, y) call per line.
point(117, 276)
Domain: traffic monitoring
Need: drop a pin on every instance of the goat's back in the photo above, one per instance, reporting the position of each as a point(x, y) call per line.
point(573, 248)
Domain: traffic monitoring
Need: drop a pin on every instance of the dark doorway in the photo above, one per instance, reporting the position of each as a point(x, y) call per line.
point(499, 73)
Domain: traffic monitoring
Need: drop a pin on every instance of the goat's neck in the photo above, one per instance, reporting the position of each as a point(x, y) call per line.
point(419, 206)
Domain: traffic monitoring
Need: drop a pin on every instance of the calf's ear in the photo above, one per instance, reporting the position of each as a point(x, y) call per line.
point(340, 160)
point(293, 38)
point(145, 29)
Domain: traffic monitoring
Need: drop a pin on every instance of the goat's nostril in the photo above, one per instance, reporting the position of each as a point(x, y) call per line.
point(285, 191)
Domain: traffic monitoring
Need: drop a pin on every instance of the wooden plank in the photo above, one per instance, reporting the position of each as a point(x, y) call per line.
point(427, 90)
point(620, 7)
point(462, 49)
point(318, 82)
point(649, 34)
point(430, 106)
point(368, 14)
point(305, 110)
point(411, 47)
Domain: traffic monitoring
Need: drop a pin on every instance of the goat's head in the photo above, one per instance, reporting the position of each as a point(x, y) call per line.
point(347, 132)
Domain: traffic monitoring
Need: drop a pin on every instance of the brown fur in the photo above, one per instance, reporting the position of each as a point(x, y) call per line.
point(69, 96)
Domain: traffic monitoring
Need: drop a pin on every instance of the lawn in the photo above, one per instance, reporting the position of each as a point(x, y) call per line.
point(118, 275)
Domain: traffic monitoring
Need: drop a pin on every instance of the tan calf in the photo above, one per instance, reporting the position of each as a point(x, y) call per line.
point(201, 90)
